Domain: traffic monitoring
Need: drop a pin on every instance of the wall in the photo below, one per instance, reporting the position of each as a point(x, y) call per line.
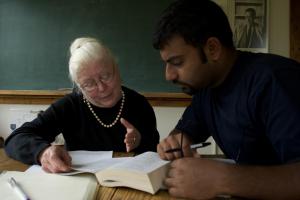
point(279, 36)
point(168, 116)
point(13, 115)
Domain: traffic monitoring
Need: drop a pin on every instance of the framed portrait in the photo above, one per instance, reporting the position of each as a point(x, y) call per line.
point(249, 23)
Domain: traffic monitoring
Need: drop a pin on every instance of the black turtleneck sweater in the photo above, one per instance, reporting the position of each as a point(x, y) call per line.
point(72, 117)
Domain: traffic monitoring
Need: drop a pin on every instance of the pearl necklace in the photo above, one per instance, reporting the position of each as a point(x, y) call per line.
point(98, 119)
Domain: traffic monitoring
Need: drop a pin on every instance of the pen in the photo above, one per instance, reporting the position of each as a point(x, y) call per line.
point(194, 146)
point(200, 145)
point(17, 188)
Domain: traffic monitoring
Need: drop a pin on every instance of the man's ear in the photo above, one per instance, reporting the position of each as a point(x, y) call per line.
point(213, 49)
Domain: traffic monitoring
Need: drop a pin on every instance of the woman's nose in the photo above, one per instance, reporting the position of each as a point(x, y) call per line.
point(100, 86)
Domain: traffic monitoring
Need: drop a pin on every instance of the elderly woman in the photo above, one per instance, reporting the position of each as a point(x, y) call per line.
point(101, 115)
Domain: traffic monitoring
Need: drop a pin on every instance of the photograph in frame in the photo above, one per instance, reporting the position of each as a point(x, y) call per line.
point(250, 25)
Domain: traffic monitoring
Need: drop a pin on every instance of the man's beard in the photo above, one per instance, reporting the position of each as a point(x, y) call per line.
point(189, 90)
point(186, 88)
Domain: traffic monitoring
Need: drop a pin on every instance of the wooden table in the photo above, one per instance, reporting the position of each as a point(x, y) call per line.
point(104, 193)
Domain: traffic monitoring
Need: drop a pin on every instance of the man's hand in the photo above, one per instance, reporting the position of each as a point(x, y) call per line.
point(55, 159)
point(195, 178)
point(173, 141)
point(132, 137)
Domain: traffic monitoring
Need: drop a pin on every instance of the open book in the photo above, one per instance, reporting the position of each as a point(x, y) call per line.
point(144, 172)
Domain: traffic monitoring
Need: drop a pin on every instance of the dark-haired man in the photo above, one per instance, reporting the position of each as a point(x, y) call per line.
point(249, 103)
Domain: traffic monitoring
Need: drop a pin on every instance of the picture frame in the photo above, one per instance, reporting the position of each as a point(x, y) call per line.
point(238, 13)
point(250, 25)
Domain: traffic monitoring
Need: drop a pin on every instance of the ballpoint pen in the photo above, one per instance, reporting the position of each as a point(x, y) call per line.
point(200, 145)
point(17, 188)
point(194, 146)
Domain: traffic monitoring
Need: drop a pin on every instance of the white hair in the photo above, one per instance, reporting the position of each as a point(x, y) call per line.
point(84, 50)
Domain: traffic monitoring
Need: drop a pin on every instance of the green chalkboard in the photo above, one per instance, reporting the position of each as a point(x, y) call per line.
point(35, 36)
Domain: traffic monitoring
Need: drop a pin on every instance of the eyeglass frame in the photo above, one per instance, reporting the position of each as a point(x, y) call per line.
point(94, 84)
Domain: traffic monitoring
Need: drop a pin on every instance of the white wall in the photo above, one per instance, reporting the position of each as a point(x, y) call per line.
point(16, 114)
point(279, 29)
point(167, 118)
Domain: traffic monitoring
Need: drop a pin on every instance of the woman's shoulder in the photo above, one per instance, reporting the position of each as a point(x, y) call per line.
point(133, 95)
point(70, 98)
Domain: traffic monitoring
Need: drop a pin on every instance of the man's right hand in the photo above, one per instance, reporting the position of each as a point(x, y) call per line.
point(173, 141)
point(55, 159)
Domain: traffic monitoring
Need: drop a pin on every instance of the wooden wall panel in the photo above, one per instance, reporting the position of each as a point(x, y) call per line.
point(295, 29)
point(47, 97)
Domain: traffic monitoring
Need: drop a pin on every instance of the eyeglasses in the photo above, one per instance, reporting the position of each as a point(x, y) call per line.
point(91, 85)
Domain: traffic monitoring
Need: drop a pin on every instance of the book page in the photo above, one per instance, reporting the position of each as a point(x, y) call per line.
point(145, 162)
point(35, 169)
point(85, 161)
point(83, 157)
point(98, 165)
point(83, 168)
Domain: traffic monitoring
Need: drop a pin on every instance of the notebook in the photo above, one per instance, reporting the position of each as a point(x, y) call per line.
point(49, 186)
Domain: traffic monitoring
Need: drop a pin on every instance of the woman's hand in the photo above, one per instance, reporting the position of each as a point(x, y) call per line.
point(55, 159)
point(132, 137)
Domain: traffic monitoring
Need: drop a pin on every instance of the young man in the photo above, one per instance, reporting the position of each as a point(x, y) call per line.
point(249, 103)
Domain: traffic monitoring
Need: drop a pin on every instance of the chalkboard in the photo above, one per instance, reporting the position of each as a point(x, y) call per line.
point(35, 36)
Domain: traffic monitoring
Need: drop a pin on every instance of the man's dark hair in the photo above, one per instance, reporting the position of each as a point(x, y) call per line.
point(195, 21)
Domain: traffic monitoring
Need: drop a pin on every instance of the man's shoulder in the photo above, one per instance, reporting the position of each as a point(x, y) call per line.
point(264, 68)
point(273, 62)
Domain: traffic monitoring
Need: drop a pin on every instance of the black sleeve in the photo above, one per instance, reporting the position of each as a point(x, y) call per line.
point(149, 133)
point(143, 118)
point(26, 142)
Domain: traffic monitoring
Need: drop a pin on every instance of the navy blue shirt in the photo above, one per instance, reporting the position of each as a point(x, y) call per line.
point(254, 115)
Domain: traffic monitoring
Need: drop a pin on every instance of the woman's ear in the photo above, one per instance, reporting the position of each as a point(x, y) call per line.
point(213, 48)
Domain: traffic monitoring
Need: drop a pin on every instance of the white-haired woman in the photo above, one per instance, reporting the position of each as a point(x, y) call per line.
point(101, 115)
